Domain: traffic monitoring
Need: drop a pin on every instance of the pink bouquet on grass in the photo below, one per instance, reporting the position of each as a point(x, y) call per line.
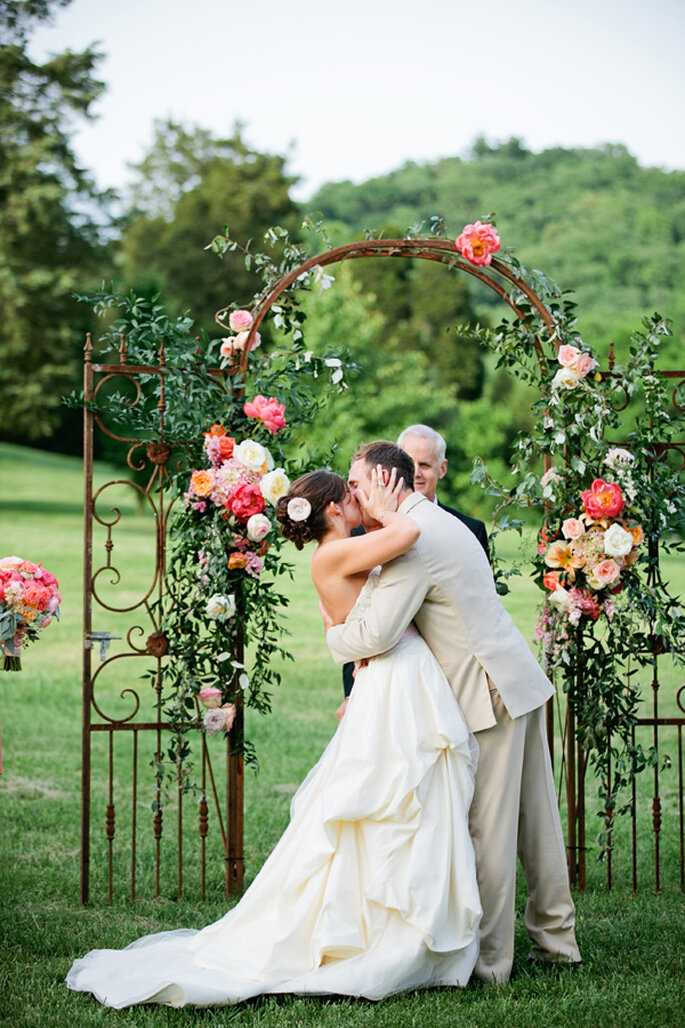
point(29, 600)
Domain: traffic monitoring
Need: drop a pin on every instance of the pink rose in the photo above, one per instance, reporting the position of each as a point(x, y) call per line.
point(478, 243)
point(270, 412)
point(210, 697)
point(247, 500)
point(568, 355)
point(585, 365)
point(585, 603)
point(572, 528)
point(236, 344)
point(239, 321)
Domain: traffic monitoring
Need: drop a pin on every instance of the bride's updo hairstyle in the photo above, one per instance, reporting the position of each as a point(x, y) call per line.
point(302, 512)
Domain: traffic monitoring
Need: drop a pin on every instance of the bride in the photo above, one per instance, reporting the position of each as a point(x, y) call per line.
point(372, 888)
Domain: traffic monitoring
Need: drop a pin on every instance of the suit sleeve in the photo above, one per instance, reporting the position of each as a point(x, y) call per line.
point(395, 600)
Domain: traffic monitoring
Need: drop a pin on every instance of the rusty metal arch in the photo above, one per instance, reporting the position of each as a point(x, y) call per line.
point(442, 251)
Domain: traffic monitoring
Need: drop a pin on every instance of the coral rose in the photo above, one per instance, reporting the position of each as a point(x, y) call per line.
point(236, 560)
point(551, 580)
point(247, 500)
point(478, 242)
point(603, 499)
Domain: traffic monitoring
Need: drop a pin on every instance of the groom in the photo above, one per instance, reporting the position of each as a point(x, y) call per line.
point(445, 585)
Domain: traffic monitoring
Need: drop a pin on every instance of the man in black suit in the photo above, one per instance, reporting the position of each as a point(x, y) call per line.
point(427, 448)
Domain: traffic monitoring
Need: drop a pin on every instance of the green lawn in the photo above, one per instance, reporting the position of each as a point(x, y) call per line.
point(633, 945)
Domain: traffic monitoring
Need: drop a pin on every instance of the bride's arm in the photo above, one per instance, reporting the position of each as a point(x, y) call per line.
point(363, 552)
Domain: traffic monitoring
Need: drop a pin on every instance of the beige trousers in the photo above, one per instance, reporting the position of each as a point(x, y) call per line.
point(515, 811)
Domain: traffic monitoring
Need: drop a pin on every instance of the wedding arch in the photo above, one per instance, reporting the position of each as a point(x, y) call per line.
point(543, 327)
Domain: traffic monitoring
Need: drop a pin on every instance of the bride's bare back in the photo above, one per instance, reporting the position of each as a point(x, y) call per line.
point(341, 563)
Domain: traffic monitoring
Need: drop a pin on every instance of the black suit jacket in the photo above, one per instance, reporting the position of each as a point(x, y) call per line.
point(478, 529)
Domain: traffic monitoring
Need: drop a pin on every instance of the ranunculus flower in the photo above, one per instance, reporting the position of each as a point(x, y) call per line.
point(270, 412)
point(603, 499)
point(258, 527)
point(210, 697)
point(565, 378)
point(586, 363)
point(239, 321)
point(617, 542)
point(220, 608)
point(274, 485)
point(236, 560)
point(201, 483)
point(572, 528)
point(246, 501)
point(253, 455)
point(603, 574)
point(568, 355)
point(551, 581)
point(478, 242)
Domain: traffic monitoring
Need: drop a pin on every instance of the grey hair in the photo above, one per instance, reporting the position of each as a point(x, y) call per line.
point(426, 433)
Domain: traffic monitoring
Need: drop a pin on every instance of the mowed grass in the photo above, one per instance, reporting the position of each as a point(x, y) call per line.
point(633, 944)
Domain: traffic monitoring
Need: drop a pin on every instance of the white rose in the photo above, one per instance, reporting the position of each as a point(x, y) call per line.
point(258, 527)
point(220, 608)
point(618, 458)
point(253, 455)
point(274, 485)
point(560, 599)
point(565, 378)
point(617, 542)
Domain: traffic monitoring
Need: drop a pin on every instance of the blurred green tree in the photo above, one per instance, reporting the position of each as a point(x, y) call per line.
point(187, 188)
point(51, 217)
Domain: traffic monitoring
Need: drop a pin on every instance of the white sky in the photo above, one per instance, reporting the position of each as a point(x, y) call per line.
point(353, 88)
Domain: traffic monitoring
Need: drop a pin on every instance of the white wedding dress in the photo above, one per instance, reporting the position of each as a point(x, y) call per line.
point(372, 888)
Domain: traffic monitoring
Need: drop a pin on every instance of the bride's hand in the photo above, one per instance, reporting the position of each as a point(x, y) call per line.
point(382, 498)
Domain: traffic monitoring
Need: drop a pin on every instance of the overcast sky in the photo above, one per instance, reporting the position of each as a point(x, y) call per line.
point(354, 88)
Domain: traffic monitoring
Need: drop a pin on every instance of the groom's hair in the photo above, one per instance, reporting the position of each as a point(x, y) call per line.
point(388, 456)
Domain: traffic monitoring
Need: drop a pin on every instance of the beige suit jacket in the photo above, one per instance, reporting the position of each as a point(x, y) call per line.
point(445, 585)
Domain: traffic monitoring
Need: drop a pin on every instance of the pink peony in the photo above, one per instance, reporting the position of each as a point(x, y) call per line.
point(478, 242)
point(270, 412)
point(247, 500)
point(603, 499)
point(240, 321)
point(568, 356)
point(572, 528)
point(210, 697)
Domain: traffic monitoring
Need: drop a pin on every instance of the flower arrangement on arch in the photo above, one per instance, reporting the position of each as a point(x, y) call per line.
point(582, 560)
point(29, 600)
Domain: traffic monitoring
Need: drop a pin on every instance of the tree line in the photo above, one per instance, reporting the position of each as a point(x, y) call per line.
point(593, 219)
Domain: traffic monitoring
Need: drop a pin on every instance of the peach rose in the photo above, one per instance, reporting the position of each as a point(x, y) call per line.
point(236, 560)
point(603, 574)
point(568, 355)
point(202, 482)
point(585, 364)
point(572, 528)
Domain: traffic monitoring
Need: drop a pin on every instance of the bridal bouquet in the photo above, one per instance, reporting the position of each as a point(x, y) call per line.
point(29, 599)
point(583, 563)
